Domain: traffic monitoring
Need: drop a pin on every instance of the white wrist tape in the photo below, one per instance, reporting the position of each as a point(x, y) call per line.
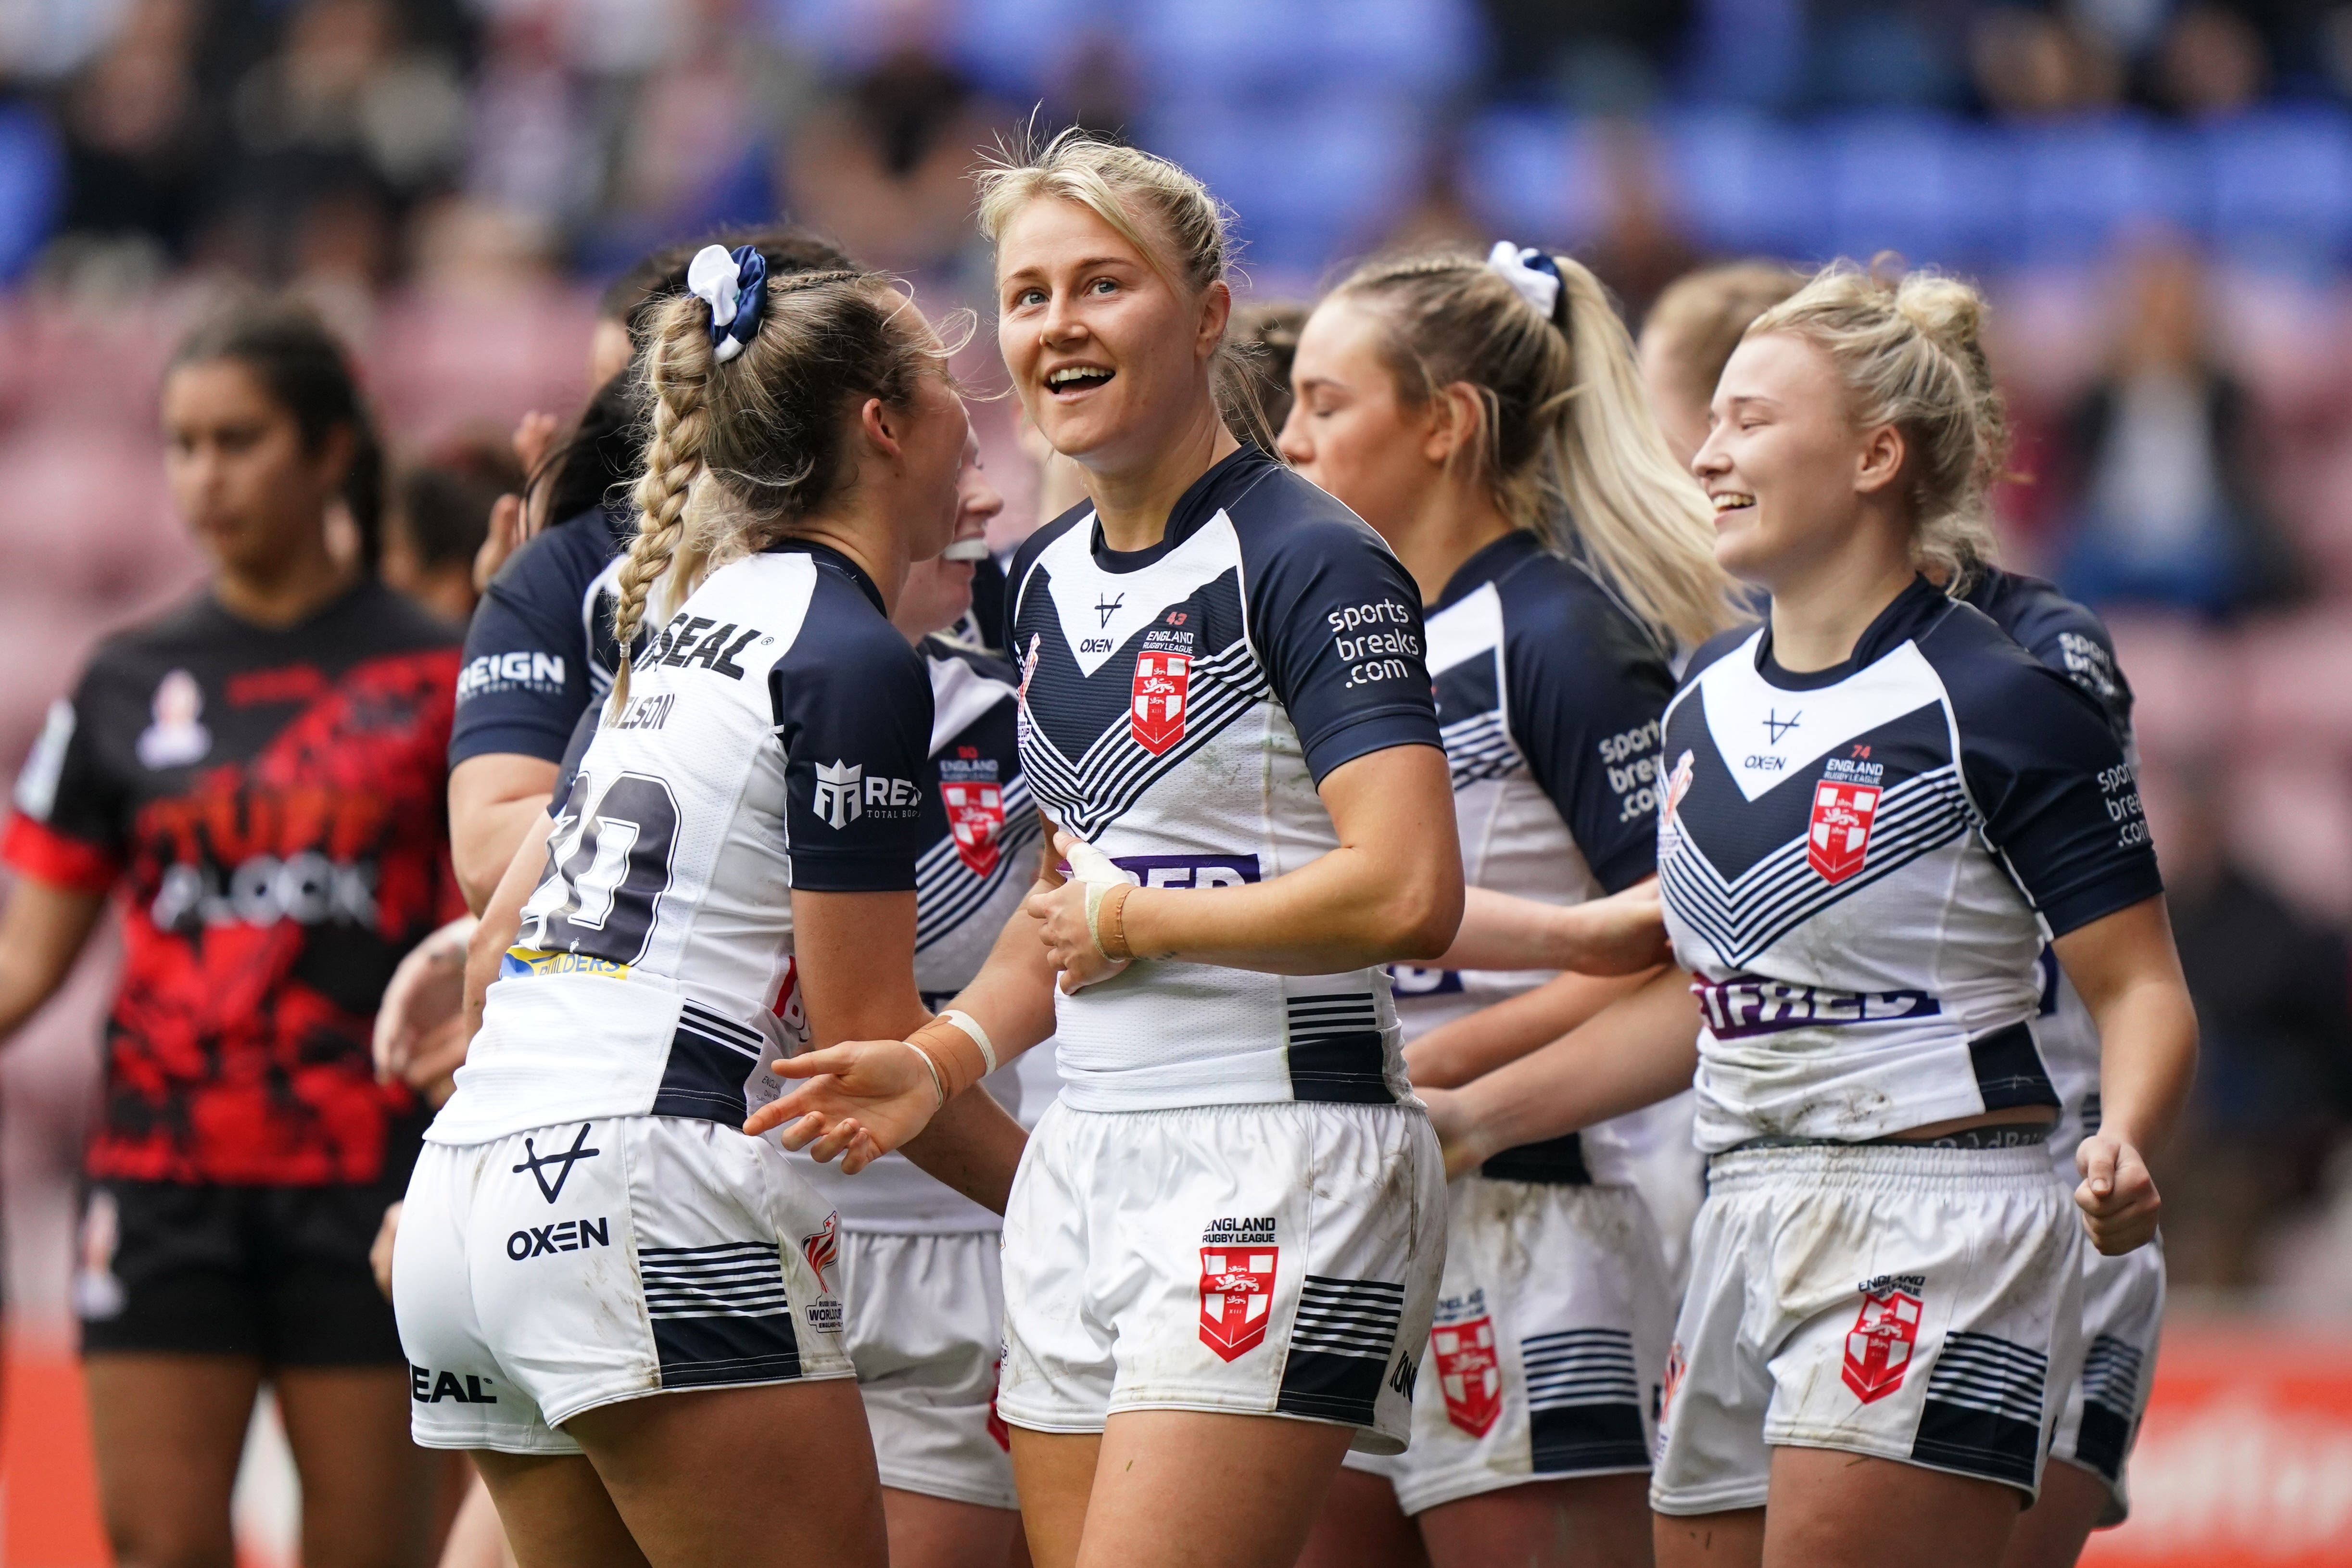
point(971, 1025)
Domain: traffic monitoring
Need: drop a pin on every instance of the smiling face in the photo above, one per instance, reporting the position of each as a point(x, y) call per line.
point(1348, 430)
point(1790, 473)
point(1110, 358)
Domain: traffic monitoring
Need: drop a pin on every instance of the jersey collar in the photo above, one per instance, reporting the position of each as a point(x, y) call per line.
point(1917, 608)
point(826, 556)
point(1489, 562)
point(1224, 482)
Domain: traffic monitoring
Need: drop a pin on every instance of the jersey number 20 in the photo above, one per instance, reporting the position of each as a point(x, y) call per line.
point(600, 901)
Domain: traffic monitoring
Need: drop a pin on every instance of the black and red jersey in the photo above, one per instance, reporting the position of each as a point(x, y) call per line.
point(273, 805)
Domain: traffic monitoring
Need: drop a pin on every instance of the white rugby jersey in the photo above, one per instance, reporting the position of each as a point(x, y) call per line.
point(2070, 639)
point(777, 737)
point(983, 834)
point(1180, 705)
point(1549, 697)
point(1860, 865)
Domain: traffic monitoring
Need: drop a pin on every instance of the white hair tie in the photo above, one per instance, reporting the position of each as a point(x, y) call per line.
point(1532, 273)
point(734, 284)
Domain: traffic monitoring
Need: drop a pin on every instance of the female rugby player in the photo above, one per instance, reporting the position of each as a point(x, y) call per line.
point(805, 447)
point(1487, 419)
point(1863, 907)
point(1222, 1247)
point(260, 772)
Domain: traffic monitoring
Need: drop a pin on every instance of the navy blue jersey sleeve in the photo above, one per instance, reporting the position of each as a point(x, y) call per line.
point(525, 676)
point(2064, 635)
point(1337, 622)
point(2060, 803)
point(1586, 690)
point(853, 705)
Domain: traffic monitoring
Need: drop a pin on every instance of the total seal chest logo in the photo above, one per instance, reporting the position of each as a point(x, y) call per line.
point(1238, 1274)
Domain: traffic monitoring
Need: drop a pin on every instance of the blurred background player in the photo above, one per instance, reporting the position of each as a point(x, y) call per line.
point(1221, 1250)
point(1487, 419)
point(439, 519)
point(261, 773)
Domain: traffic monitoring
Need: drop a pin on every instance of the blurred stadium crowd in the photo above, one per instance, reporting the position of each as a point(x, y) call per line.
point(2159, 195)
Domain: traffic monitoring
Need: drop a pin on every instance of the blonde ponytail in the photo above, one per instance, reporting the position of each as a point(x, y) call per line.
point(678, 378)
point(1568, 445)
point(1643, 520)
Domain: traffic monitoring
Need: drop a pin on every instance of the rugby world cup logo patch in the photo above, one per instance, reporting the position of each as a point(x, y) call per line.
point(1156, 716)
point(1838, 839)
point(1237, 1271)
point(1878, 1348)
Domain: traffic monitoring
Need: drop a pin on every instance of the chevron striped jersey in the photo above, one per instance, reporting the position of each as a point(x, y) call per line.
point(776, 739)
point(1180, 707)
point(1860, 866)
point(1548, 695)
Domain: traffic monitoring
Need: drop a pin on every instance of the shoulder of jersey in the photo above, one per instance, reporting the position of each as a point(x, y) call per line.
point(1272, 505)
point(2035, 612)
point(1557, 606)
point(1989, 672)
point(572, 550)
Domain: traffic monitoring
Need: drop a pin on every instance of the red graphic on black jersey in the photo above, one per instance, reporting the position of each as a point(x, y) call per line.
point(1878, 1347)
point(1236, 1289)
point(976, 819)
point(267, 903)
point(1839, 836)
point(1468, 1373)
point(1156, 717)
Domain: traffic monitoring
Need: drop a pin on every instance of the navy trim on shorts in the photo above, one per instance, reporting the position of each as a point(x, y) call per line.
point(719, 1313)
point(1553, 1162)
point(1339, 1345)
point(1584, 1401)
point(1983, 1414)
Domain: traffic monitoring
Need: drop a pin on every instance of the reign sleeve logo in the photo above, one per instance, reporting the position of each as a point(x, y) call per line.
point(846, 791)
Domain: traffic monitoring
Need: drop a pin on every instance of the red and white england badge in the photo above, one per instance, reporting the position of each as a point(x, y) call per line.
point(1156, 716)
point(1878, 1347)
point(976, 819)
point(1236, 1289)
point(1468, 1373)
point(1840, 835)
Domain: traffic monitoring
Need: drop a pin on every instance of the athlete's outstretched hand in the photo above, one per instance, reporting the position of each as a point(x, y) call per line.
point(2118, 1198)
point(1061, 914)
point(859, 1100)
point(1458, 1131)
point(1624, 933)
point(420, 1024)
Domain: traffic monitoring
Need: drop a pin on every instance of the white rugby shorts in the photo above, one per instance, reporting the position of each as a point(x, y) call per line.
point(1548, 1345)
point(546, 1273)
point(1905, 1303)
point(1265, 1260)
point(926, 1331)
point(2123, 1313)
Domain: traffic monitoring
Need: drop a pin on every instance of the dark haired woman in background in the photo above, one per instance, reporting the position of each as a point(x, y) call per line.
point(261, 773)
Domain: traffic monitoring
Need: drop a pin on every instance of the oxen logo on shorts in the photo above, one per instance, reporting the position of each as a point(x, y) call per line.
point(537, 1163)
point(1840, 835)
point(1157, 718)
point(1878, 1347)
point(1237, 1258)
point(976, 819)
point(1468, 1373)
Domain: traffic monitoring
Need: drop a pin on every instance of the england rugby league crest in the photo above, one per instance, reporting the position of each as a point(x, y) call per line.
point(1469, 1373)
point(1237, 1264)
point(1878, 1348)
point(1163, 677)
point(1838, 838)
point(975, 809)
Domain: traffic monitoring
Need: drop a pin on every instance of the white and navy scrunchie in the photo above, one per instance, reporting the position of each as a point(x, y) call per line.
point(1536, 276)
point(734, 283)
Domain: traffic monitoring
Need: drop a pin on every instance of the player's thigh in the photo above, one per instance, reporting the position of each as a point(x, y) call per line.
point(1831, 1509)
point(167, 1431)
point(1589, 1522)
point(1267, 1473)
point(2051, 1533)
point(1732, 1538)
point(928, 1531)
point(1360, 1526)
point(1055, 1474)
point(795, 1457)
point(554, 1513)
point(367, 1490)
point(477, 1539)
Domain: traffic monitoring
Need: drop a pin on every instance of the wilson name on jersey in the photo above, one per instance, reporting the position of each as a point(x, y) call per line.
point(1180, 704)
point(1861, 863)
point(1548, 696)
point(776, 738)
